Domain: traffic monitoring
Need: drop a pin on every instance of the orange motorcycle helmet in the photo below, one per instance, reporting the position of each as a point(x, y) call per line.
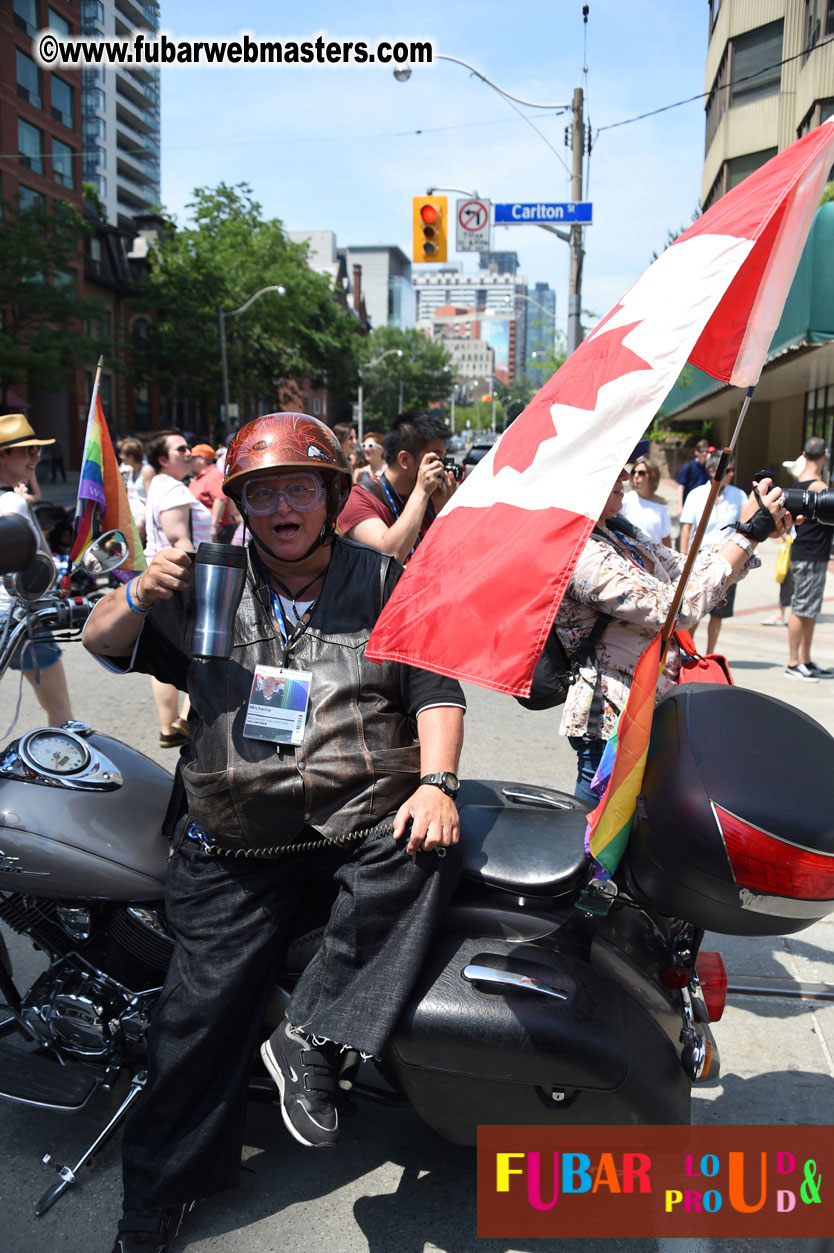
point(288, 441)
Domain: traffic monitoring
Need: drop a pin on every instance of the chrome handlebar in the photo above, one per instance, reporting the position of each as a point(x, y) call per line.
point(54, 612)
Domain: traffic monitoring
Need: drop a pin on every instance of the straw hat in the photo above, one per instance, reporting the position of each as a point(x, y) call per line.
point(15, 431)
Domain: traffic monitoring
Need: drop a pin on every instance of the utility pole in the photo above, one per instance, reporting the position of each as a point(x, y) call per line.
point(576, 250)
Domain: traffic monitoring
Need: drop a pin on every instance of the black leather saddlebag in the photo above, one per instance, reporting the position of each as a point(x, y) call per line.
point(470, 1050)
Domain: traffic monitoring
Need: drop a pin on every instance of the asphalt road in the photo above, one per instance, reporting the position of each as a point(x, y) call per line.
point(392, 1185)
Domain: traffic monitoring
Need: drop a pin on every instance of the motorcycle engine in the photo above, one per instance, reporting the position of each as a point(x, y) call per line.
point(87, 1013)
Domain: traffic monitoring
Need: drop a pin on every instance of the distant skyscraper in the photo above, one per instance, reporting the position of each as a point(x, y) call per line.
point(496, 303)
point(501, 262)
point(541, 327)
point(120, 114)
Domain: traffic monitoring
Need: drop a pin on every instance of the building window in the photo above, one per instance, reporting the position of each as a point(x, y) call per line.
point(30, 146)
point(756, 69)
point(56, 22)
point(92, 17)
point(61, 100)
point(819, 414)
point(62, 163)
point(316, 405)
point(65, 278)
point(818, 23)
point(739, 167)
point(26, 16)
point(28, 199)
point(28, 79)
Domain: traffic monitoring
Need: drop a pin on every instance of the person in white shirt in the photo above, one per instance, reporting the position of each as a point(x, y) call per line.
point(39, 660)
point(174, 518)
point(643, 508)
point(726, 512)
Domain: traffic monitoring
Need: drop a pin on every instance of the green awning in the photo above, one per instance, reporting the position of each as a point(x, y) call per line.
point(808, 316)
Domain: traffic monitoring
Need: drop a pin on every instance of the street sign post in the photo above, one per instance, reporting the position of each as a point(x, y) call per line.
point(521, 214)
point(472, 224)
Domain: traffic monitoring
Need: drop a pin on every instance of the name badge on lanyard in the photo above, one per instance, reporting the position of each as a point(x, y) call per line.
point(278, 704)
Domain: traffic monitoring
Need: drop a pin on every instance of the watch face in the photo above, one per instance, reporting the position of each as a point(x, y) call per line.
point(451, 781)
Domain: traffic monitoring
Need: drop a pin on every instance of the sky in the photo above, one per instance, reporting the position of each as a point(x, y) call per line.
point(346, 148)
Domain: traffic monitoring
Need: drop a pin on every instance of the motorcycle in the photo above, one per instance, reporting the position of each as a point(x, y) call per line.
point(551, 995)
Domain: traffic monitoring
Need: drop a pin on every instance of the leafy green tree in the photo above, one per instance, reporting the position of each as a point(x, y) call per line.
point(516, 395)
point(42, 316)
point(420, 377)
point(227, 254)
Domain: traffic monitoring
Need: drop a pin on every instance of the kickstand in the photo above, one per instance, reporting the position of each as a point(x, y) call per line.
point(69, 1174)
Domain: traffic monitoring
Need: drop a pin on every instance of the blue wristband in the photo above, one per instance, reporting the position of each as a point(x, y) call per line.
point(132, 606)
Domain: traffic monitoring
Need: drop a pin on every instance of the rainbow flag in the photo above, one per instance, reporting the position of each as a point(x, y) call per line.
point(102, 496)
point(619, 775)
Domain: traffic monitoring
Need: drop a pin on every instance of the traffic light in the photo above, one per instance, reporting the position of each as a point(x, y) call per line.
point(429, 228)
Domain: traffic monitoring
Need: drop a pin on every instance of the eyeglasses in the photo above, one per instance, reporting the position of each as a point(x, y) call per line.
point(371, 443)
point(638, 473)
point(300, 491)
point(180, 448)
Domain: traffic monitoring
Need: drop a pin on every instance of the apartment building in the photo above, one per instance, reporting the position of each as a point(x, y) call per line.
point(770, 80)
point(120, 114)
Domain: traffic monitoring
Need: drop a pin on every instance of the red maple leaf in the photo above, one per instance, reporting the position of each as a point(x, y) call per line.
point(599, 360)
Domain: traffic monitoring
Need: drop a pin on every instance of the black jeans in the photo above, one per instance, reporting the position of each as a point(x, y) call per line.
point(229, 917)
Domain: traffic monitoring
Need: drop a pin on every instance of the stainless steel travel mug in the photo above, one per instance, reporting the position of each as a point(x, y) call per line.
point(219, 573)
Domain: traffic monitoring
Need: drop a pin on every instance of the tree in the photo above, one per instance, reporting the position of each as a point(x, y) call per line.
point(43, 317)
point(516, 395)
point(420, 377)
point(228, 253)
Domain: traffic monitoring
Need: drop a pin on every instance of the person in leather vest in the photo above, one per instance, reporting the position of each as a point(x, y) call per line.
point(331, 784)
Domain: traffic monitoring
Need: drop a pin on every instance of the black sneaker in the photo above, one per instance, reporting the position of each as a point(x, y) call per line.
point(818, 671)
point(305, 1076)
point(801, 671)
point(149, 1230)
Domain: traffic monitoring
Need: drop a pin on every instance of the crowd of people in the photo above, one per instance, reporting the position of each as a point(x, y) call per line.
point(363, 796)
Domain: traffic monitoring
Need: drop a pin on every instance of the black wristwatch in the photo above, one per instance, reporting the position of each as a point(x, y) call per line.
point(445, 780)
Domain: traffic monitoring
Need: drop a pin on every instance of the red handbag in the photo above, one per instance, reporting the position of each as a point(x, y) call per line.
point(697, 669)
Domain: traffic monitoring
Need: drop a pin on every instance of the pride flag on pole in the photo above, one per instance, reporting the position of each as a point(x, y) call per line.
point(102, 496)
point(619, 775)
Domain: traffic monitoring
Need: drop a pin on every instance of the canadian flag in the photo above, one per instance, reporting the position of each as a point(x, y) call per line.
point(480, 594)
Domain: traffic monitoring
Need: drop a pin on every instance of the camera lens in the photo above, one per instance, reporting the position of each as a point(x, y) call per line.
point(815, 506)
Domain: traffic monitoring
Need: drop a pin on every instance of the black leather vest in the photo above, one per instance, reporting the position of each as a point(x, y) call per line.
point(359, 760)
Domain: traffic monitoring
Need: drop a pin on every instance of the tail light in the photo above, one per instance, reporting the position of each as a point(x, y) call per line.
point(766, 864)
point(712, 976)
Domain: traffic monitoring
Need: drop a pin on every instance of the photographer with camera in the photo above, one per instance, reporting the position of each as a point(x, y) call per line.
point(393, 513)
point(810, 555)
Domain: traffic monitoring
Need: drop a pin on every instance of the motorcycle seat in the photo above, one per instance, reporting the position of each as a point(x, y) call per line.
point(537, 852)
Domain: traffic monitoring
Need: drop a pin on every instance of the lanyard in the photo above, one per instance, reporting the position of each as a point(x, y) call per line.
point(632, 551)
point(395, 505)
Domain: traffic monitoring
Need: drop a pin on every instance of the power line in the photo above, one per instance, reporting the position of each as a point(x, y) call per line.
point(706, 94)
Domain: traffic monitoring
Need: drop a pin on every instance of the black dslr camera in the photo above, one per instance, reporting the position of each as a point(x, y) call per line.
point(452, 466)
point(814, 506)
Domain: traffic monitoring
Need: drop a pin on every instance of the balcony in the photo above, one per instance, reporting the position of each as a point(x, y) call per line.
point(132, 170)
point(140, 16)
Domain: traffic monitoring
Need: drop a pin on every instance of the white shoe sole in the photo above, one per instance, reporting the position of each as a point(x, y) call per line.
point(275, 1071)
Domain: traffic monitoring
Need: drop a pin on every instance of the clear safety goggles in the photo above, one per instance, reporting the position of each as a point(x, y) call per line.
point(300, 491)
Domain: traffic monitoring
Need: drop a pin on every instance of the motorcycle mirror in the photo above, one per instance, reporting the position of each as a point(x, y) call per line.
point(107, 552)
point(36, 581)
point(17, 544)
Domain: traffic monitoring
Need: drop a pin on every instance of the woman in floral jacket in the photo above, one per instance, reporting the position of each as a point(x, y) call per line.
point(631, 580)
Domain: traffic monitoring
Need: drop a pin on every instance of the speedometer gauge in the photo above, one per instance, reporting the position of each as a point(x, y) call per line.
point(54, 752)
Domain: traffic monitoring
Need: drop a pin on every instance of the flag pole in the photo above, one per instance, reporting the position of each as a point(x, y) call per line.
point(79, 512)
point(721, 469)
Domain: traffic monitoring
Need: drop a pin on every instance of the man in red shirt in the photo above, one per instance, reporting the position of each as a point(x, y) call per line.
point(394, 512)
point(207, 486)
